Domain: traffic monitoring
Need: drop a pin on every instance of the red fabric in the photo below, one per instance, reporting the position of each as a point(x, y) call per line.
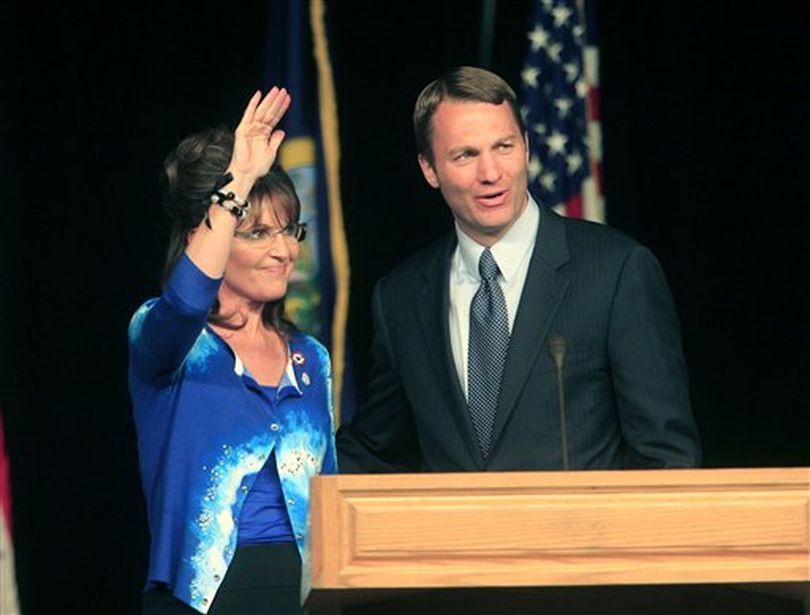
point(573, 206)
point(5, 483)
point(593, 107)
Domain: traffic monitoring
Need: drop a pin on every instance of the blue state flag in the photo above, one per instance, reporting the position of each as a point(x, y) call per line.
point(297, 57)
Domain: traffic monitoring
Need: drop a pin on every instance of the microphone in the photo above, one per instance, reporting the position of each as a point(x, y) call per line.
point(556, 348)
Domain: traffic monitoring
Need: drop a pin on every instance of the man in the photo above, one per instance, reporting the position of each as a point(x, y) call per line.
point(463, 376)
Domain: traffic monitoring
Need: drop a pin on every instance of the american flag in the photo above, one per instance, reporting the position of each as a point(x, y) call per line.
point(560, 105)
point(8, 581)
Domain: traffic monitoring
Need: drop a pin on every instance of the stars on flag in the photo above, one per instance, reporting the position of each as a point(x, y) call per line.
point(571, 71)
point(530, 75)
point(574, 162)
point(554, 52)
point(538, 38)
point(556, 143)
point(535, 168)
point(564, 106)
point(561, 14)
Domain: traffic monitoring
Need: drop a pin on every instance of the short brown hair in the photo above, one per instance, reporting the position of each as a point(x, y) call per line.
point(463, 83)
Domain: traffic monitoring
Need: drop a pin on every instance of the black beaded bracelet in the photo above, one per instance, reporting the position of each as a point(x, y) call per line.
point(239, 208)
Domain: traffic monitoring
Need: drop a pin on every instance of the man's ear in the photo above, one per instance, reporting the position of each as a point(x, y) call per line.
point(428, 171)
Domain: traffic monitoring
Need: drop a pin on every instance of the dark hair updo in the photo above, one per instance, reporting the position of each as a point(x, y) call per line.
point(189, 175)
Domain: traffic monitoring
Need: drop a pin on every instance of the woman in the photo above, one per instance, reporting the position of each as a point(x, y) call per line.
point(232, 405)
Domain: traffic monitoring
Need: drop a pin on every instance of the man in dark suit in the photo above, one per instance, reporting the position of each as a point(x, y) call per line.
point(463, 376)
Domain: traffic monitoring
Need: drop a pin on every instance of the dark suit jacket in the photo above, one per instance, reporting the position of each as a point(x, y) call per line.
point(625, 377)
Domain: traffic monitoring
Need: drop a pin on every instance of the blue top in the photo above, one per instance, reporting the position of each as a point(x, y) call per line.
point(204, 433)
point(264, 515)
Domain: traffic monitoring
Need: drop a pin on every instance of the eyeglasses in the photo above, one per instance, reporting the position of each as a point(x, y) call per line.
point(297, 231)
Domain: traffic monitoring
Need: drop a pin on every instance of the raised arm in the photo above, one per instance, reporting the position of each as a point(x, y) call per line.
point(256, 143)
point(163, 331)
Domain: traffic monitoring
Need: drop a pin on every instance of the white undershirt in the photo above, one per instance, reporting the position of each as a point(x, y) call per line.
point(512, 253)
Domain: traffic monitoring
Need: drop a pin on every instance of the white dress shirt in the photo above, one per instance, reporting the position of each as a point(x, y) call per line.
point(512, 253)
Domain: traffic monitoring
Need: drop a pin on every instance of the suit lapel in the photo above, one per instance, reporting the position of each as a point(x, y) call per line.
point(433, 307)
point(542, 293)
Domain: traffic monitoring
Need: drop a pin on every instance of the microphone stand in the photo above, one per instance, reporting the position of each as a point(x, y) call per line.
point(556, 348)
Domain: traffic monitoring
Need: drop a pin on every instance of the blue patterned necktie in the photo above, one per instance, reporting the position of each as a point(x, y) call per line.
point(489, 341)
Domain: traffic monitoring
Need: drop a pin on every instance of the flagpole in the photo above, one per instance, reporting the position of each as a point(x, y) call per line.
point(331, 147)
point(488, 11)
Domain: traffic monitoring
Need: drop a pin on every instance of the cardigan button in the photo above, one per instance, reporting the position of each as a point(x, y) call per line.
point(274, 426)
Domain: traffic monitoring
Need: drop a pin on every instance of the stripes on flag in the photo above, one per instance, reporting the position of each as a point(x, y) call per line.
point(560, 106)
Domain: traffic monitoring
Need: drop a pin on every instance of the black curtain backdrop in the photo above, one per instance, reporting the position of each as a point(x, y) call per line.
point(705, 139)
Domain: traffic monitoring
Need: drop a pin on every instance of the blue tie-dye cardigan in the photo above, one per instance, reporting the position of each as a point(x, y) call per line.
point(205, 430)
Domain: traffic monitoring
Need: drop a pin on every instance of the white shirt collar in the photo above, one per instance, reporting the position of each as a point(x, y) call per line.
point(508, 251)
point(288, 378)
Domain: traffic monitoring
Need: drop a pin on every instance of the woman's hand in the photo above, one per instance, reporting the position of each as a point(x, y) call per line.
point(256, 143)
point(256, 140)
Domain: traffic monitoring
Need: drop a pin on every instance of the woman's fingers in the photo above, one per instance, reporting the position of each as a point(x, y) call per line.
point(268, 100)
point(273, 107)
point(275, 142)
point(250, 110)
point(262, 114)
point(281, 109)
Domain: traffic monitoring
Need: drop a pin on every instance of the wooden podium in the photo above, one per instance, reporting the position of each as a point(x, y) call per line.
point(383, 536)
